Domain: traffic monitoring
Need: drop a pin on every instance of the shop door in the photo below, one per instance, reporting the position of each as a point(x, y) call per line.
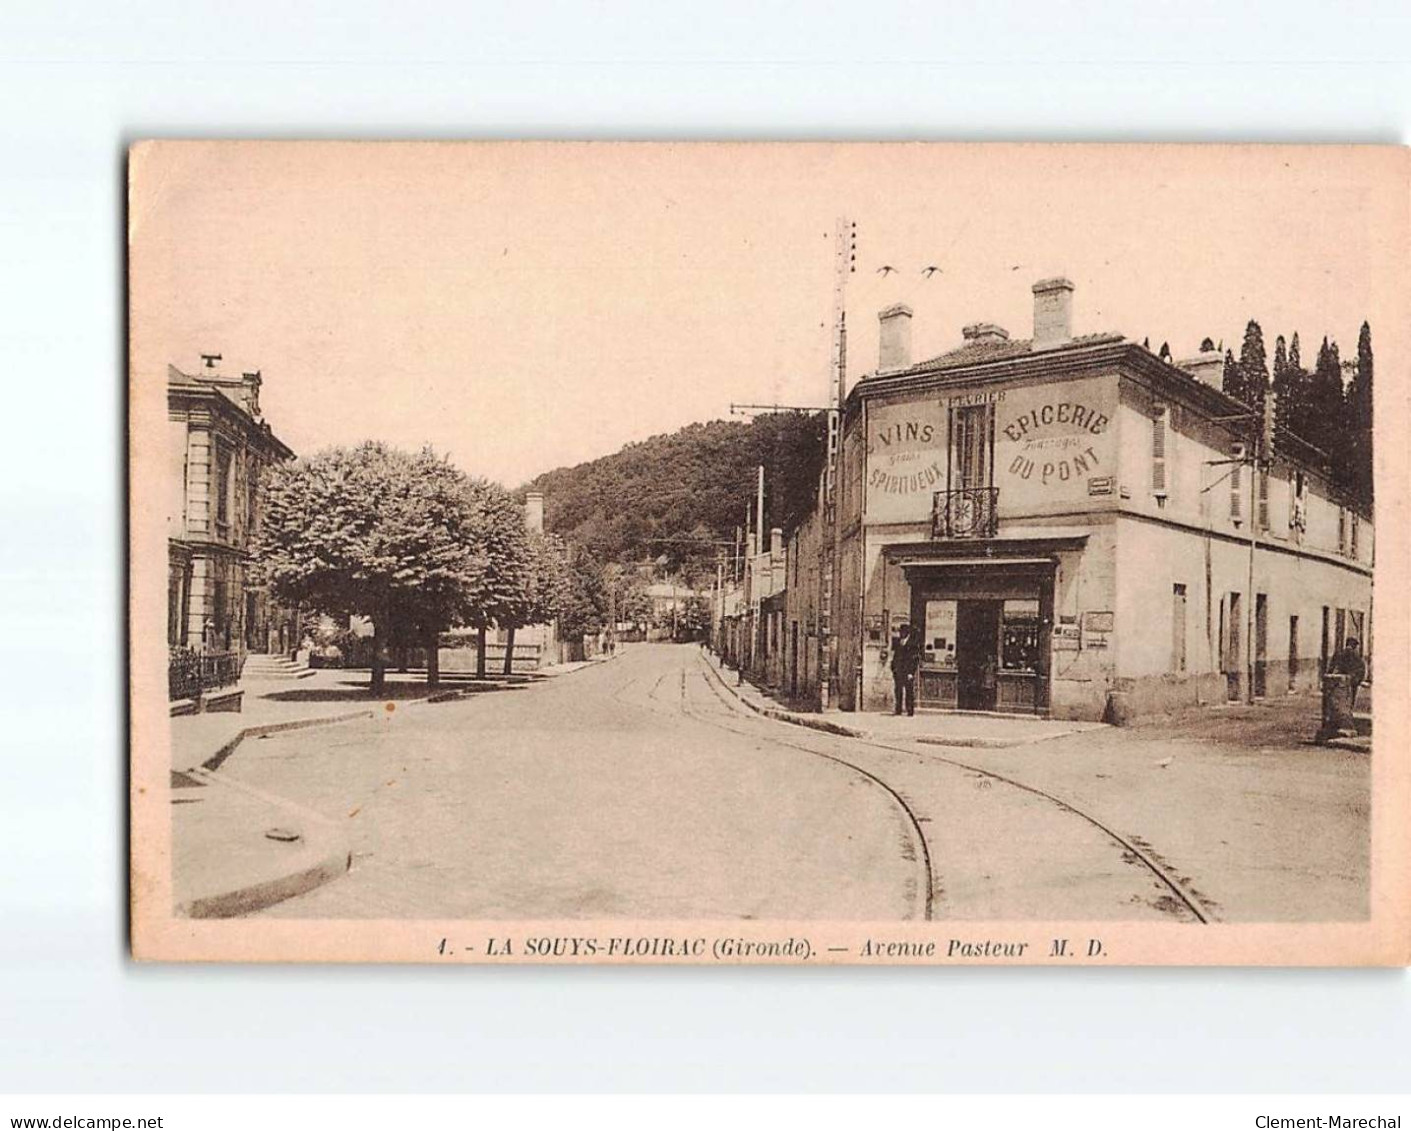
point(977, 654)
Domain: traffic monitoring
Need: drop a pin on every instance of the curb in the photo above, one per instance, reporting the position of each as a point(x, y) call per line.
point(225, 751)
point(325, 857)
point(845, 731)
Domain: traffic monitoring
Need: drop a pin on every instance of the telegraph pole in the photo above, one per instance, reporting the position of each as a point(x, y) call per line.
point(844, 265)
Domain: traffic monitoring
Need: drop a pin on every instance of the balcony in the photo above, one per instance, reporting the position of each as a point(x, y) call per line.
point(971, 512)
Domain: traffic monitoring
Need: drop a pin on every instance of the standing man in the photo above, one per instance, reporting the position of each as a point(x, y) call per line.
point(904, 659)
point(1349, 662)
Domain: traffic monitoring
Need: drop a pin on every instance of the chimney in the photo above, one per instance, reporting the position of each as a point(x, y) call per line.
point(894, 343)
point(534, 512)
point(250, 391)
point(1207, 367)
point(1053, 313)
point(984, 333)
point(776, 539)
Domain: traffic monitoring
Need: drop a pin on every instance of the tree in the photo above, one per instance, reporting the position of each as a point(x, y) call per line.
point(1359, 420)
point(1293, 401)
point(406, 540)
point(1254, 368)
point(1327, 416)
point(545, 580)
point(1280, 384)
point(1232, 379)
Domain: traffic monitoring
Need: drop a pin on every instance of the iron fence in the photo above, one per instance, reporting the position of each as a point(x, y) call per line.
point(190, 672)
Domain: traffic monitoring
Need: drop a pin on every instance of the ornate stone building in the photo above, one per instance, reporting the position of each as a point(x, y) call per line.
point(218, 446)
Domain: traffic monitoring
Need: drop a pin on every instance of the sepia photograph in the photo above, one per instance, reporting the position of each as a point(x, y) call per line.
point(769, 552)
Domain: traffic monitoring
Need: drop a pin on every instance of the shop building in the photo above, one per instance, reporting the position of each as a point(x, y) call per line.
point(1078, 529)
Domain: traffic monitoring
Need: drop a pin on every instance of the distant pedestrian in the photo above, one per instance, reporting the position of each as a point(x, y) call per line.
point(1348, 662)
point(905, 657)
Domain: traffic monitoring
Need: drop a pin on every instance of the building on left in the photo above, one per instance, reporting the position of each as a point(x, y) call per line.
point(219, 446)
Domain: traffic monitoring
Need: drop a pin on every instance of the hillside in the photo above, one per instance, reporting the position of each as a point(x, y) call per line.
point(693, 484)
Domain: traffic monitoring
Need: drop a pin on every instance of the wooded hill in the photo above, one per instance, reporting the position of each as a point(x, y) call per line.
point(662, 494)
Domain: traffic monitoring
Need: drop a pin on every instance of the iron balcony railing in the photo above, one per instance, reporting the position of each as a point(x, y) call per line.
point(190, 672)
point(971, 512)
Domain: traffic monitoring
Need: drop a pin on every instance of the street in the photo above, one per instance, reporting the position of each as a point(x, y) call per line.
point(638, 788)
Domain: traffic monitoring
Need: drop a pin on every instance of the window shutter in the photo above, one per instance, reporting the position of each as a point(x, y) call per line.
point(1158, 452)
point(1235, 477)
point(1264, 500)
point(1342, 530)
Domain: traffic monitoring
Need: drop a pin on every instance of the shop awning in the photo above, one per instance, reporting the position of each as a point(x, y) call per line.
point(971, 563)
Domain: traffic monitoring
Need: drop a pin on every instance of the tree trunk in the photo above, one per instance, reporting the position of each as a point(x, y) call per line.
point(480, 653)
point(509, 651)
point(433, 657)
point(379, 675)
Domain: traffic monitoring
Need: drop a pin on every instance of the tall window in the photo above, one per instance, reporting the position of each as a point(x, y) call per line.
point(1263, 498)
point(223, 477)
point(1159, 428)
point(972, 442)
point(1298, 503)
point(1178, 628)
point(1352, 537)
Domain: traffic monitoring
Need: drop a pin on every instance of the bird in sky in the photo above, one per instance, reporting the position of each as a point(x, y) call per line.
point(932, 270)
point(886, 269)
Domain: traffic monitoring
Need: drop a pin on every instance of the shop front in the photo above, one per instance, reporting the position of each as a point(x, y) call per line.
point(985, 632)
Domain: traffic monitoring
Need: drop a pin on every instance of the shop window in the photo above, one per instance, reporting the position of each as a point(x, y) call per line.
point(1019, 636)
point(938, 646)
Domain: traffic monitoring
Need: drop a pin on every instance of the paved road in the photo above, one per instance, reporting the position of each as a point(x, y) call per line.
point(635, 788)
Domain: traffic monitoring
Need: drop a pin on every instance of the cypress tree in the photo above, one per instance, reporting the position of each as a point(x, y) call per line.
point(1327, 411)
point(1297, 381)
point(1283, 403)
point(1254, 368)
point(1231, 381)
point(1359, 419)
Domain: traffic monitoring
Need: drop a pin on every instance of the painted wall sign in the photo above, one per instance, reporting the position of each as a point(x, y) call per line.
point(906, 460)
point(1051, 440)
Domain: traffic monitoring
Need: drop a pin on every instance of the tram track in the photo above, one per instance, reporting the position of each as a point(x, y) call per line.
point(1132, 852)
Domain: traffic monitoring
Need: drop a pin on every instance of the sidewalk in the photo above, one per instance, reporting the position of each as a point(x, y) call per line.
point(236, 849)
point(932, 728)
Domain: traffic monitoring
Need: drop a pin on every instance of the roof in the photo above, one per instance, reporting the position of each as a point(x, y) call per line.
point(219, 392)
point(977, 353)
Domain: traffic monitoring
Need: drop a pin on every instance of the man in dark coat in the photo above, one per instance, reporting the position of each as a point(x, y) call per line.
point(905, 657)
point(1348, 661)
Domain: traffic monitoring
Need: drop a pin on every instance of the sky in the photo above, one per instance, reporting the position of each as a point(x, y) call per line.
point(529, 306)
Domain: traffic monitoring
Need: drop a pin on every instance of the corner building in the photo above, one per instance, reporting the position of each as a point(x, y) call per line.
point(1071, 521)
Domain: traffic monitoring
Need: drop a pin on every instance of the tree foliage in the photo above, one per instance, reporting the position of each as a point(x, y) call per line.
point(659, 496)
point(407, 540)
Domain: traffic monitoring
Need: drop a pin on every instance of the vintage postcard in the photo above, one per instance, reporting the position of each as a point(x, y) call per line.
point(769, 553)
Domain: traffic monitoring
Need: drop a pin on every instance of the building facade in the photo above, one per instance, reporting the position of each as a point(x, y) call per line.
point(1079, 529)
point(219, 447)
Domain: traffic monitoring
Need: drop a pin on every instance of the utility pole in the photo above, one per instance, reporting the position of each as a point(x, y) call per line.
point(844, 266)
